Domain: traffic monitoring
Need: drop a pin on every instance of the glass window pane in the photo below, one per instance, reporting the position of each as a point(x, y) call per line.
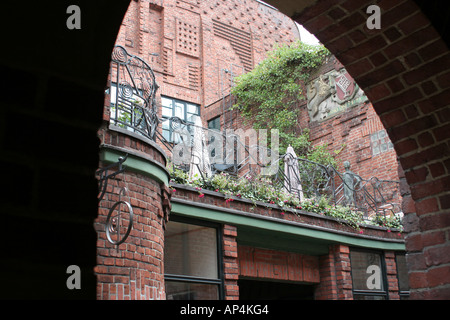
point(376, 150)
point(166, 102)
point(166, 135)
point(166, 112)
point(191, 118)
point(402, 272)
point(192, 108)
point(374, 137)
point(366, 271)
point(179, 110)
point(165, 124)
point(177, 290)
point(214, 124)
point(112, 93)
point(191, 250)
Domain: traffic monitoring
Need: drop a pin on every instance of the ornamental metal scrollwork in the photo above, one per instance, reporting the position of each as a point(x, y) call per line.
point(133, 91)
point(115, 223)
point(117, 227)
point(104, 175)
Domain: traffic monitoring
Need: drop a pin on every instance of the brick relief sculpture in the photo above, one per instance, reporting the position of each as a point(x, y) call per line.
point(332, 93)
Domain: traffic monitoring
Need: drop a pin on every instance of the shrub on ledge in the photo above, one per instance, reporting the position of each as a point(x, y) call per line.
point(262, 189)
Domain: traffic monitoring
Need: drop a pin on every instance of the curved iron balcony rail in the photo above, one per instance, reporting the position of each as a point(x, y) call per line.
point(133, 90)
point(304, 178)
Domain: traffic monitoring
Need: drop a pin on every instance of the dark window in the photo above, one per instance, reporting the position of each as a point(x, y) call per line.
point(368, 275)
point(402, 275)
point(192, 262)
point(214, 123)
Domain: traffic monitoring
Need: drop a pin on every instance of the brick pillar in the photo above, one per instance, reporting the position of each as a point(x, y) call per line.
point(391, 273)
point(133, 270)
point(335, 275)
point(343, 269)
point(230, 262)
point(327, 289)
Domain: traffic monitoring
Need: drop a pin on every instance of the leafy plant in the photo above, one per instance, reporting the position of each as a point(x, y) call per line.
point(261, 189)
point(268, 96)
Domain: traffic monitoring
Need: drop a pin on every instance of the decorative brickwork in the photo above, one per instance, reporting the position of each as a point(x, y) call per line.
point(230, 262)
point(403, 69)
point(277, 265)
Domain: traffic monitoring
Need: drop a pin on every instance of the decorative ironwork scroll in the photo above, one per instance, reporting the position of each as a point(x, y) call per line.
point(104, 174)
point(116, 221)
point(304, 178)
point(133, 90)
point(119, 222)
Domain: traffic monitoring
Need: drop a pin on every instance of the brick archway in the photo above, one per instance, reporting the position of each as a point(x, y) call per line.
point(404, 69)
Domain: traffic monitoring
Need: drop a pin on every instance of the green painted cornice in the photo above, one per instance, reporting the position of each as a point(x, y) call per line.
point(270, 231)
point(135, 162)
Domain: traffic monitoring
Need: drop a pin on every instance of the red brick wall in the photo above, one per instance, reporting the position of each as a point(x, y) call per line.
point(197, 40)
point(391, 274)
point(134, 270)
point(404, 69)
point(348, 133)
point(327, 289)
point(335, 273)
point(230, 262)
point(277, 265)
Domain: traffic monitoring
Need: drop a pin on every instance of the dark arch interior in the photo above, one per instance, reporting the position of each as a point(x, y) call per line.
point(53, 81)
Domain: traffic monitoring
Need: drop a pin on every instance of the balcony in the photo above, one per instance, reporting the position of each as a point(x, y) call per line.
point(223, 162)
point(207, 159)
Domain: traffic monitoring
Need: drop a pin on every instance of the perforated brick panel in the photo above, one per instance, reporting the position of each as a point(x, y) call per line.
point(187, 38)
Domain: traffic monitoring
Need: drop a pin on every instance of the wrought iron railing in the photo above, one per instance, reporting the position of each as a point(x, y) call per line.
point(304, 178)
point(202, 152)
point(132, 90)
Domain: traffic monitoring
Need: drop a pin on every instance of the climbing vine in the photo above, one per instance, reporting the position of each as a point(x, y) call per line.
point(268, 96)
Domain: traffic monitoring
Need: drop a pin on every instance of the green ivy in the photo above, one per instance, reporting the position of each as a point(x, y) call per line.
point(268, 96)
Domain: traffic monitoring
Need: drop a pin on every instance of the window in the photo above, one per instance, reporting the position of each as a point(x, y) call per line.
point(127, 113)
point(368, 275)
point(176, 108)
point(192, 262)
point(380, 142)
point(214, 123)
point(402, 276)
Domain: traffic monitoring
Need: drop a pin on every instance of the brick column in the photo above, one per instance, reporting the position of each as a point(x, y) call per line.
point(133, 270)
point(391, 273)
point(327, 289)
point(335, 275)
point(230, 262)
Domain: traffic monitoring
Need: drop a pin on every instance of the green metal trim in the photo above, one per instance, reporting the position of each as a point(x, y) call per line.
point(137, 164)
point(270, 227)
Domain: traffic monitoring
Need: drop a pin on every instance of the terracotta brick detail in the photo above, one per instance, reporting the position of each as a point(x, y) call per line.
point(277, 265)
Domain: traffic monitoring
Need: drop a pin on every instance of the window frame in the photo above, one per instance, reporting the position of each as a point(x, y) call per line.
point(375, 293)
point(220, 281)
point(185, 114)
point(402, 293)
point(214, 120)
point(379, 142)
